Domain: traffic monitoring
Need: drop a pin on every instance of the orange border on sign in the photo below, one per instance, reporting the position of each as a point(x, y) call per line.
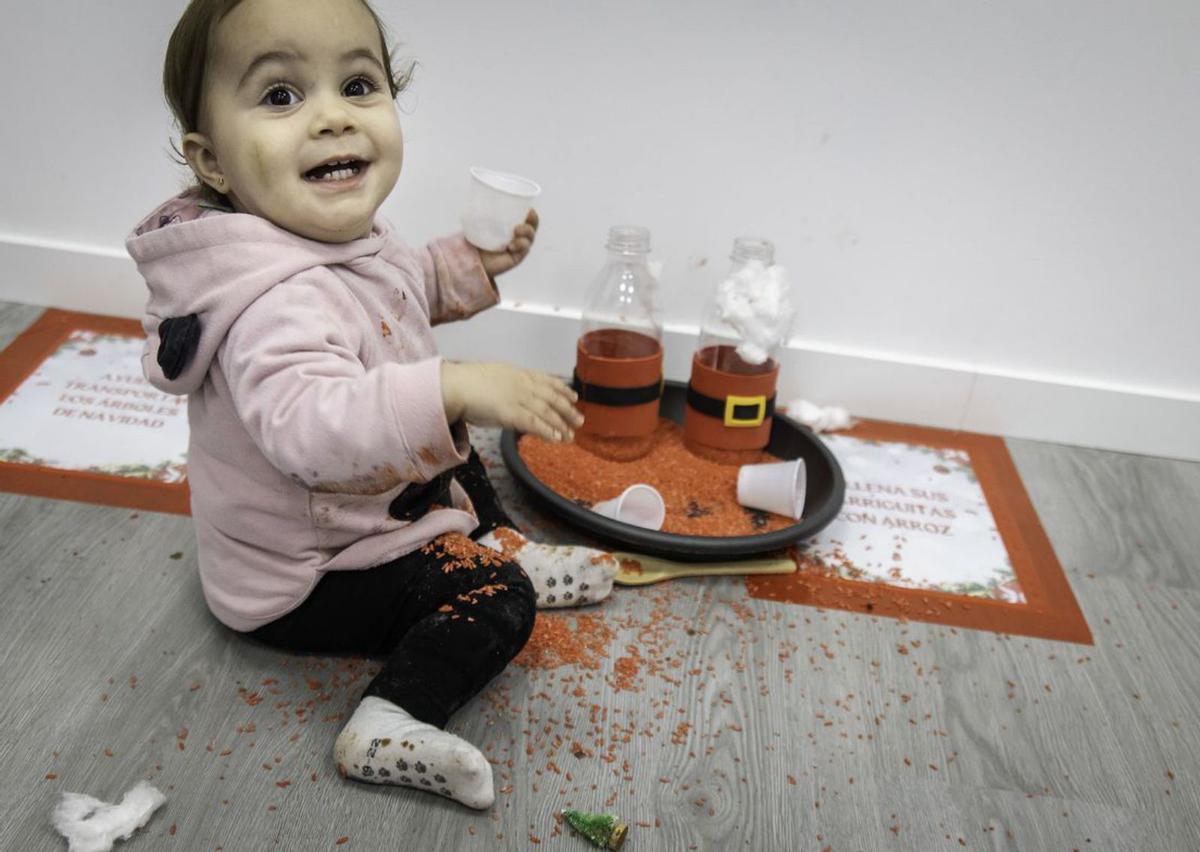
point(22, 357)
point(1050, 610)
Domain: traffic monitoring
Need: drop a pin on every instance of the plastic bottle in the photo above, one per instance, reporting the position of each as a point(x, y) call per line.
point(731, 399)
point(618, 365)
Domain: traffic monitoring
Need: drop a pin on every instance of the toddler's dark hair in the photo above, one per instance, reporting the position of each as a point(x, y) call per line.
point(187, 61)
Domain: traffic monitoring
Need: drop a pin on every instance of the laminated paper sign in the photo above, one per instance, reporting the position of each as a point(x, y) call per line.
point(936, 526)
point(78, 421)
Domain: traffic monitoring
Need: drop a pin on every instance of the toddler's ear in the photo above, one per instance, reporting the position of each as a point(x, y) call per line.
point(198, 151)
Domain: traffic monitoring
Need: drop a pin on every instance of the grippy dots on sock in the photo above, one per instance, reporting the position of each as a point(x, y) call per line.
point(383, 744)
point(562, 575)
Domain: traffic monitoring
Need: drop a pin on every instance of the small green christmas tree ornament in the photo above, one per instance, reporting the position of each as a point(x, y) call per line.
point(605, 830)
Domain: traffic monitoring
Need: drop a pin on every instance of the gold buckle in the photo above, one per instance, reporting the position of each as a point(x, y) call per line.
point(732, 402)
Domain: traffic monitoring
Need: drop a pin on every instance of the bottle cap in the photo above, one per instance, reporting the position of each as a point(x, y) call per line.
point(629, 239)
point(753, 248)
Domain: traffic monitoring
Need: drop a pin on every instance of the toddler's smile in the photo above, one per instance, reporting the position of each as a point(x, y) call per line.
point(337, 170)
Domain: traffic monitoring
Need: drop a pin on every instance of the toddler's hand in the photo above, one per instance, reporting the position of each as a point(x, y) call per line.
point(497, 262)
point(511, 397)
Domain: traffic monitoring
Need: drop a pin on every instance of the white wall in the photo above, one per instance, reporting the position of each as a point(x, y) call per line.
point(999, 201)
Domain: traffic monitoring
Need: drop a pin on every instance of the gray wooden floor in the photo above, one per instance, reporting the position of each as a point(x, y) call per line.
point(738, 724)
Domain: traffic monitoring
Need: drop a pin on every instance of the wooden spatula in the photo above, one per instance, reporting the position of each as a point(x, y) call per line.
point(640, 570)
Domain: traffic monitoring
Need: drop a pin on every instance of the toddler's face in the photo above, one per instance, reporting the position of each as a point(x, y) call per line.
point(294, 86)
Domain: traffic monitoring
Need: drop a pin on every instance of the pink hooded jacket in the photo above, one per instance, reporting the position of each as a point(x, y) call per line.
point(314, 394)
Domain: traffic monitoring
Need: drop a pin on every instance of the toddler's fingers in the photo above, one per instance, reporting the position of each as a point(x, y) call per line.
point(558, 421)
point(545, 381)
point(554, 386)
point(519, 247)
point(524, 231)
point(562, 399)
point(529, 423)
point(532, 218)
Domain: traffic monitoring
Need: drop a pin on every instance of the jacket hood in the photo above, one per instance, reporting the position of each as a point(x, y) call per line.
point(203, 267)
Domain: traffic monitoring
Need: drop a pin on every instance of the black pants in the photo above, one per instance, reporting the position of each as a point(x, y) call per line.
point(446, 618)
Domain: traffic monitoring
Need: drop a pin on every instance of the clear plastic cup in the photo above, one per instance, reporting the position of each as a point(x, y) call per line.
point(777, 487)
point(497, 203)
point(640, 505)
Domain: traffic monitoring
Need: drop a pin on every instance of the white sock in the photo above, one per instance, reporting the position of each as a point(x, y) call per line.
point(383, 744)
point(562, 575)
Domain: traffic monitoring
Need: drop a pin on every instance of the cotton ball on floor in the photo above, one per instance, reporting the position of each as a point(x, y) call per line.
point(818, 418)
point(90, 825)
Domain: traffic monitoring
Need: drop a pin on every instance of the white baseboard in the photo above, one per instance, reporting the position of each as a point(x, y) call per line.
point(878, 385)
point(70, 276)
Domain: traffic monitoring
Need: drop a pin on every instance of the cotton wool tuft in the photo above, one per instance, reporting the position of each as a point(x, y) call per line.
point(756, 303)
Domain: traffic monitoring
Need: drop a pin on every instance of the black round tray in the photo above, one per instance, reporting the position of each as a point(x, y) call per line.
point(789, 440)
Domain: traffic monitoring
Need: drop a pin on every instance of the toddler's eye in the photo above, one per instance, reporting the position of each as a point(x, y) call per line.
point(280, 96)
point(359, 87)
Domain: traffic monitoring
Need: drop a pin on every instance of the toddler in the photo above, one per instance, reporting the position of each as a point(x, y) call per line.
point(334, 493)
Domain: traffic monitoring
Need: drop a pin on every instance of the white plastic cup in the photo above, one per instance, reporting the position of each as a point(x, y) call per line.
point(777, 487)
point(640, 505)
point(496, 203)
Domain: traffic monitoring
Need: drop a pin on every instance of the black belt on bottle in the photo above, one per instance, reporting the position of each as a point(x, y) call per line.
point(617, 397)
point(735, 411)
